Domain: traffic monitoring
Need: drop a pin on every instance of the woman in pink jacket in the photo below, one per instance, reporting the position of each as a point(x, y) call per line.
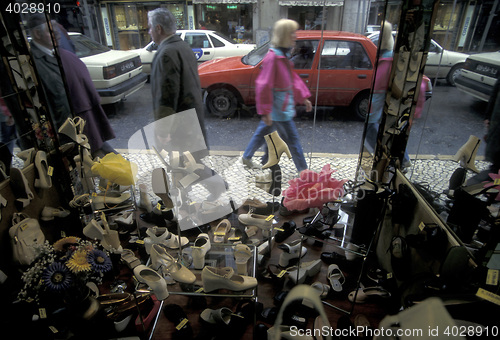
point(277, 90)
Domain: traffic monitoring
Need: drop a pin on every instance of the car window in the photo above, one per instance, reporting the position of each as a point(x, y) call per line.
point(224, 37)
point(256, 55)
point(433, 48)
point(86, 47)
point(303, 53)
point(216, 42)
point(198, 40)
point(338, 54)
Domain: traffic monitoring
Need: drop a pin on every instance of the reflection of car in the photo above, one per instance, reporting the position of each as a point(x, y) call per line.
point(345, 61)
point(115, 74)
point(206, 45)
point(479, 75)
point(441, 63)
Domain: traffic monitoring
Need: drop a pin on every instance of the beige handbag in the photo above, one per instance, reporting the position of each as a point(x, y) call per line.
point(299, 292)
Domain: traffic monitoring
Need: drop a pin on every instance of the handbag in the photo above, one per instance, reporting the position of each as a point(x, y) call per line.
point(25, 234)
point(298, 293)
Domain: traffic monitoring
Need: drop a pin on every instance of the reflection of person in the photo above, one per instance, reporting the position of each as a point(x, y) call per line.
point(202, 25)
point(175, 83)
point(304, 56)
point(7, 125)
point(85, 100)
point(277, 90)
point(492, 138)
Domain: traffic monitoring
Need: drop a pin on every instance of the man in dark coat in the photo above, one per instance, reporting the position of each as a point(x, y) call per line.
point(175, 83)
point(85, 100)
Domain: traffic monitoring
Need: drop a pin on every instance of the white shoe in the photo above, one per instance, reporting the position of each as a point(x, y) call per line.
point(154, 280)
point(249, 163)
point(307, 269)
point(242, 254)
point(163, 261)
point(200, 248)
point(156, 235)
point(48, 213)
point(261, 221)
point(291, 251)
point(222, 231)
point(225, 278)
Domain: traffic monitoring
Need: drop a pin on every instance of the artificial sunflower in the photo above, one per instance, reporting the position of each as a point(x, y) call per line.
point(65, 243)
point(78, 262)
point(56, 277)
point(99, 261)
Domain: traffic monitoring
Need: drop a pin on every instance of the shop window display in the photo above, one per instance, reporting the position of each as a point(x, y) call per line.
point(315, 244)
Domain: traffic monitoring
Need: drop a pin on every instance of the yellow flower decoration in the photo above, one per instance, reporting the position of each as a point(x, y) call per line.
point(60, 244)
point(78, 262)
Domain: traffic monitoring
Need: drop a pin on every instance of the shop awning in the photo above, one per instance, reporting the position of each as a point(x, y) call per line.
point(224, 1)
point(311, 3)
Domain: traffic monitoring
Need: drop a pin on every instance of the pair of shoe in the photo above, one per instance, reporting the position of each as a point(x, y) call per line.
point(164, 262)
point(225, 278)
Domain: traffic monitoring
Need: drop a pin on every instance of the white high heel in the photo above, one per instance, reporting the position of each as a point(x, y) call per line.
point(163, 261)
point(44, 181)
point(154, 280)
point(466, 155)
point(28, 156)
point(48, 213)
point(291, 251)
point(200, 248)
point(144, 201)
point(156, 235)
point(69, 129)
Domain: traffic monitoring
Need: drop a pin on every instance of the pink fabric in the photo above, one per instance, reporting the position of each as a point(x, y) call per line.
point(383, 74)
point(275, 74)
point(492, 184)
point(313, 189)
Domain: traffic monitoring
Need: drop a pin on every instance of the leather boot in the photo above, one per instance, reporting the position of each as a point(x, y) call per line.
point(276, 146)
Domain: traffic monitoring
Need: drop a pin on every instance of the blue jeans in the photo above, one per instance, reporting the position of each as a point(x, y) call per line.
point(288, 132)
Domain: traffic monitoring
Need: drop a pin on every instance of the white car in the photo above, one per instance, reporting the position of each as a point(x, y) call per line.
point(479, 75)
point(441, 63)
point(206, 45)
point(115, 74)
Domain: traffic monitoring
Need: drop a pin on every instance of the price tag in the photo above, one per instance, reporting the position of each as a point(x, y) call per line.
point(53, 329)
point(269, 218)
point(182, 324)
point(158, 206)
point(492, 277)
point(389, 275)
point(421, 226)
point(234, 238)
point(139, 241)
point(283, 272)
point(220, 233)
point(496, 181)
point(199, 290)
point(94, 194)
point(50, 171)
point(488, 296)
point(42, 313)
point(279, 229)
point(63, 234)
point(24, 226)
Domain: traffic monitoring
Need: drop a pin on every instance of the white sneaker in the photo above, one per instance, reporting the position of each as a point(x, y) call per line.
point(249, 163)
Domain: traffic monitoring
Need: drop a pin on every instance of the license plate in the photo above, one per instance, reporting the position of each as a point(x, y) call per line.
point(485, 69)
point(127, 66)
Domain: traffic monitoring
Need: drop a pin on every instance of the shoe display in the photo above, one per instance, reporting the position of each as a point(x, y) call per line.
point(291, 251)
point(224, 278)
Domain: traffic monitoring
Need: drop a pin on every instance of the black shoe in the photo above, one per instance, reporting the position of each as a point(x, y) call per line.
point(285, 231)
point(271, 208)
point(176, 314)
point(332, 257)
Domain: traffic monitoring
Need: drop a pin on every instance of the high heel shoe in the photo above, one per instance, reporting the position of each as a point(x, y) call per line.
point(69, 128)
point(20, 188)
point(44, 181)
point(163, 261)
point(144, 201)
point(242, 254)
point(48, 213)
point(466, 155)
point(200, 248)
point(154, 280)
point(28, 156)
point(276, 146)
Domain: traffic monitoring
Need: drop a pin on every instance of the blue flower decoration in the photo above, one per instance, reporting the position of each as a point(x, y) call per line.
point(99, 261)
point(56, 277)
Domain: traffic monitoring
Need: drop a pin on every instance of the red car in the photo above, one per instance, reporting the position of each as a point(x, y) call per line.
point(346, 65)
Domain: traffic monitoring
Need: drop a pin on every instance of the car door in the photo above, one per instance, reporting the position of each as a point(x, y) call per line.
point(434, 60)
point(345, 69)
point(201, 45)
point(303, 55)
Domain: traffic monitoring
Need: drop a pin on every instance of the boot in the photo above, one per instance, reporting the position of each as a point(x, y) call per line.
point(276, 146)
point(159, 182)
point(144, 201)
point(466, 155)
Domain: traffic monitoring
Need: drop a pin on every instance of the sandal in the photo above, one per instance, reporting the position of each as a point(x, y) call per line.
point(335, 277)
point(242, 254)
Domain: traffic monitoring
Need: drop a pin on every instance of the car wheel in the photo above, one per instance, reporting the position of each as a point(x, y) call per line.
point(453, 74)
point(221, 103)
point(360, 105)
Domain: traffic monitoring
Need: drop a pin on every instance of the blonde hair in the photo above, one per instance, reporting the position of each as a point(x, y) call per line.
point(386, 39)
point(281, 32)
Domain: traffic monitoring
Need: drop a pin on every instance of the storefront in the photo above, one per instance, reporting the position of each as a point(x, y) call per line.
point(315, 14)
point(126, 22)
point(233, 18)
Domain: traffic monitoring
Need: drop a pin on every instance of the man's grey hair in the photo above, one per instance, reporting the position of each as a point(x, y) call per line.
point(164, 18)
point(36, 21)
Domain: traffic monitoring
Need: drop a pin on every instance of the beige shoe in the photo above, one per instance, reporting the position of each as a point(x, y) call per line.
point(276, 146)
point(221, 231)
point(225, 278)
point(261, 221)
